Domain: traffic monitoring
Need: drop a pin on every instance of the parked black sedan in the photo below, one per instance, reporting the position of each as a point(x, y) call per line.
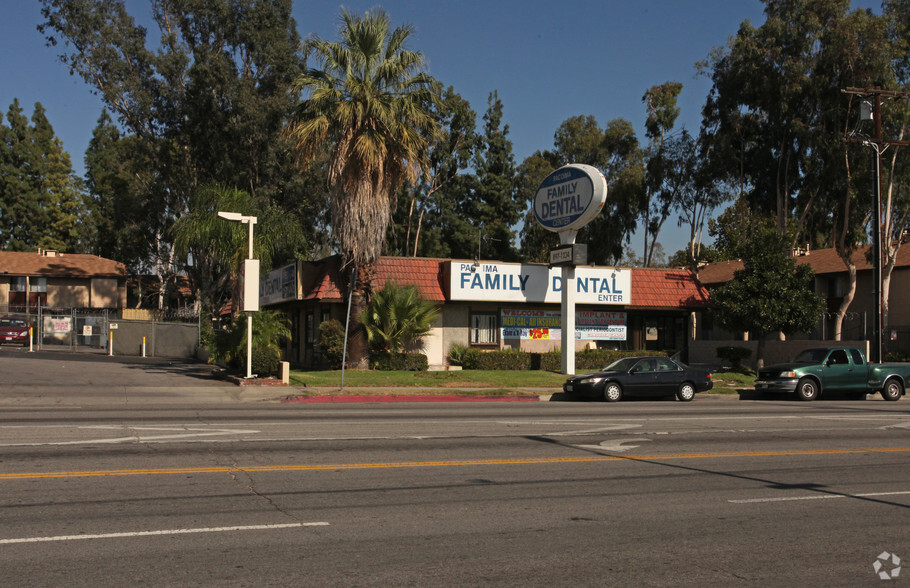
point(641, 376)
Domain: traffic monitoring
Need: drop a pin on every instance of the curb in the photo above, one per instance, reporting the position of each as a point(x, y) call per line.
point(411, 398)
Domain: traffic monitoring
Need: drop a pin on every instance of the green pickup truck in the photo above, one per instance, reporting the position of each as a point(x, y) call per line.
point(834, 369)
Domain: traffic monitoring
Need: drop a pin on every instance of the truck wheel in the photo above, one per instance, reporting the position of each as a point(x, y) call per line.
point(807, 389)
point(893, 389)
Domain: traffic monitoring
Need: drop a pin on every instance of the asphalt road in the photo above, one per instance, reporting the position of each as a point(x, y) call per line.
point(169, 478)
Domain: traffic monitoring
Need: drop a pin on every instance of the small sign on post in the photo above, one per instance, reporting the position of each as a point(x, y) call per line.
point(572, 254)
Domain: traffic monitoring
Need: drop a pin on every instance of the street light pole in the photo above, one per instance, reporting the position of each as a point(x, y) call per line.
point(250, 285)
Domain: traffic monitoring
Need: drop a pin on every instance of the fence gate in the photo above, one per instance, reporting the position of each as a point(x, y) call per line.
point(73, 328)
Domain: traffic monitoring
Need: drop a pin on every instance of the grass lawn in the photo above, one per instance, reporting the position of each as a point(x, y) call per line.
point(470, 381)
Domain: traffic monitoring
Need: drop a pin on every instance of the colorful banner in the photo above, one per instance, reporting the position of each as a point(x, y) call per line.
point(591, 325)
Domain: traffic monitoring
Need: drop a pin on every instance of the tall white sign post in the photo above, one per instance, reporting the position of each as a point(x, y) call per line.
point(568, 199)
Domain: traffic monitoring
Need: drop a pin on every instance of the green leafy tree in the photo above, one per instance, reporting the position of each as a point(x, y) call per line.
point(397, 317)
point(426, 210)
point(205, 103)
point(770, 294)
point(615, 151)
point(486, 207)
point(42, 203)
point(669, 162)
point(218, 247)
point(366, 104)
point(116, 176)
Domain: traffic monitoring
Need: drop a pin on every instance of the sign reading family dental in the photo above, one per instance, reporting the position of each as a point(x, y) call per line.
point(512, 282)
point(570, 197)
point(547, 325)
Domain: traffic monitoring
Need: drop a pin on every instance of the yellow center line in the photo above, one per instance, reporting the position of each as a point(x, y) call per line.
point(448, 463)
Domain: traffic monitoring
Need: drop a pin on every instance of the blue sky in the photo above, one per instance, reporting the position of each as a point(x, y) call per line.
point(547, 60)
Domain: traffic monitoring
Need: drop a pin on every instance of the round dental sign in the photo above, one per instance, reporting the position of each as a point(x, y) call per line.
point(570, 197)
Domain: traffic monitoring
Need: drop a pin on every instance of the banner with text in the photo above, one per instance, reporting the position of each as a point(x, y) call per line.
point(591, 325)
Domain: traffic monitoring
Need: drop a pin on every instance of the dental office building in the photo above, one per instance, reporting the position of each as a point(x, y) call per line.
point(496, 305)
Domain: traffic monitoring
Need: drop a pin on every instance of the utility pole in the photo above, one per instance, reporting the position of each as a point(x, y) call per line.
point(874, 97)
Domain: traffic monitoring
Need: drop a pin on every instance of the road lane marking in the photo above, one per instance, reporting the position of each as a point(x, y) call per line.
point(450, 463)
point(154, 533)
point(817, 497)
point(614, 445)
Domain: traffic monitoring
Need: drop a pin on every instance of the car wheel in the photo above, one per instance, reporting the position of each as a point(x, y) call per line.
point(686, 392)
point(807, 389)
point(612, 392)
point(893, 389)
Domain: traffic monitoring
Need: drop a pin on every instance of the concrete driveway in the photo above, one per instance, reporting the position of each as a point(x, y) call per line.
point(80, 378)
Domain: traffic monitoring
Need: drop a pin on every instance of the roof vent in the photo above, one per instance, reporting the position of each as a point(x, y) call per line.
point(48, 252)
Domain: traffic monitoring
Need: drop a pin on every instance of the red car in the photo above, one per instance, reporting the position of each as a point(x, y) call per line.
point(13, 330)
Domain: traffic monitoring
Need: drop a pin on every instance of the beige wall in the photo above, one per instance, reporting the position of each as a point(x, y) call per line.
point(64, 292)
point(104, 293)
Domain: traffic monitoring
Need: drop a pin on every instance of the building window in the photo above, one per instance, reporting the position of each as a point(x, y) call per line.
point(37, 285)
point(484, 328)
point(310, 328)
point(17, 284)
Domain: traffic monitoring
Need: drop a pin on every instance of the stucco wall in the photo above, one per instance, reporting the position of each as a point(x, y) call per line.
point(104, 293)
point(68, 292)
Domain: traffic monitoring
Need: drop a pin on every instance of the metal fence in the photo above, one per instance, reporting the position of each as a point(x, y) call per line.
point(105, 331)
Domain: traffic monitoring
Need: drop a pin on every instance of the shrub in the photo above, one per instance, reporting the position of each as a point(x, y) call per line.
point(269, 328)
point(457, 354)
point(388, 361)
point(397, 317)
point(266, 361)
point(734, 355)
point(897, 356)
point(330, 343)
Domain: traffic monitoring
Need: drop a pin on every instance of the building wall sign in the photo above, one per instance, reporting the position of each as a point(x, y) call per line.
point(279, 285)
point(512, 282)
point(547, 325)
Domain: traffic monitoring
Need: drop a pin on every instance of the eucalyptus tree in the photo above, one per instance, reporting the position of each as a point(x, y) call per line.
point(206, 101)
point(777, 96)
point(615, 151)
point(426, 210)
point(366, 102)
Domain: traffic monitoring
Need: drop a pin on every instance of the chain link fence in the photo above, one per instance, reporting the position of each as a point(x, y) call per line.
point(171, 333)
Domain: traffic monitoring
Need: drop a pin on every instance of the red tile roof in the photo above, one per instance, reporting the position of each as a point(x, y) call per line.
point(666, 289)
point(823, 261)
point(424, 273)
point(656, 288)
point(70, 265)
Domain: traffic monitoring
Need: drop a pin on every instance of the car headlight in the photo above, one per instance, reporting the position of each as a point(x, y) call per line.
point(788, 374)
point(590, 381)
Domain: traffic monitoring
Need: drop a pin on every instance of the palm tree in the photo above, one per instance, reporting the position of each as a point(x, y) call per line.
point(397, 317)
point(218, 247)
point(366, 105)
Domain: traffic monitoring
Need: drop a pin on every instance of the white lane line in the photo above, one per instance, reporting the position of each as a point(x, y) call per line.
point(163, 532)
point(818, 497)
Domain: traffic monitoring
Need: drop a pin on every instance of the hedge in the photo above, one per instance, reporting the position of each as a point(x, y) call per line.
point(511, 359)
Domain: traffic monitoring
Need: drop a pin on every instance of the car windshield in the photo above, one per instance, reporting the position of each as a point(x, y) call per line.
point(621, 365)
point(12, 322)
point(811, 356)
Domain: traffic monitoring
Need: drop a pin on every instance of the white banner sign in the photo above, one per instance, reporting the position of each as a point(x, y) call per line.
point(512, 282)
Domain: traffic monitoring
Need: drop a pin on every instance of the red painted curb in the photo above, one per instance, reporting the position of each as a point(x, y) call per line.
point(411, 398)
